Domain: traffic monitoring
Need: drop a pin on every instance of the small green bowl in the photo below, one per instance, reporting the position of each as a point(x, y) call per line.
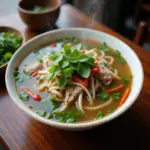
point(9, 29)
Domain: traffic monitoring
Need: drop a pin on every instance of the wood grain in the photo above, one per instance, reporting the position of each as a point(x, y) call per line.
point(130, 131)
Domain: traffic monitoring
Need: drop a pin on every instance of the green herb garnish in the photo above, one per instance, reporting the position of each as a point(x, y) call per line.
point(55, 104)
point(23, 96)
point(20, 76)
point(103, 96)
point(38, 9)
point(119, 56)
point(116, 96)
point(122, 60)
point(41, 113)
point(110, 111)
point(125, 80)
point(74, 39)
point(67, 117)
point(103, 47)
point(78, 113)
point(69, 61)
point(99, 115)
point(117, 53)
point(9, 43)
point(49, 115)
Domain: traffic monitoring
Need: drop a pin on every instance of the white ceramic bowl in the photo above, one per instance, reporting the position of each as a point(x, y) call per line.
point(113, 42)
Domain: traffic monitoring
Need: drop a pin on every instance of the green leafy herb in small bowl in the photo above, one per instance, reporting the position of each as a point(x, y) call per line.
point(38, 9)
point(10, 41)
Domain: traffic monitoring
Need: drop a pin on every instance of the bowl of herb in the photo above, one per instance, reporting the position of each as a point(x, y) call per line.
point(39, 15)
point(10, 40)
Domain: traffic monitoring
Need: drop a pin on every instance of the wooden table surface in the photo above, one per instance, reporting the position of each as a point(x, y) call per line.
point(130, 131)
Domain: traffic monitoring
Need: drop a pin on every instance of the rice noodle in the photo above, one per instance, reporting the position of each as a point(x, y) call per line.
point(58, 99)
point(80, 99)
point(43, 87)
point(111, 59)
point(116, 72)
point(93, 87)
point(86, 90)
point(77, 105)
point(64, 107)
point(97, 84)
point(89, 108)
point(102, 53)
point(55, 88)
point(57, 93)
point(42, 72)
point(102, 60)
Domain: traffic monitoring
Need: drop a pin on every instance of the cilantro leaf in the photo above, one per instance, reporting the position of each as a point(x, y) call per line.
point(16, 74)
point(49, 115)
point(78, 113)
point(38, 9)
point(67, 49)
point(74, 39)
point(20, 76)
point(125, 80)
point(23, 96)
point(110, 111)
point(58, 58)
point(41, 113)
point(103, 96)
point(67, 117)
point(119, 56)
point(55, 104)
point(117, 53)
point(122, 60)
point(62, 81)
point(84, 70)
point(68, 71)
point(64, 63)
point(99, 115)
point(103, 47)
point(76, 47)
point(116, 96)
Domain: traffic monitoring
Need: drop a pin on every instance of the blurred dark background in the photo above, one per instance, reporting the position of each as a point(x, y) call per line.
point(130, 18)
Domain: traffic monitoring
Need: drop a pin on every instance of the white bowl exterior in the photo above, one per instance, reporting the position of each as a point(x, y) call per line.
point(113, 42)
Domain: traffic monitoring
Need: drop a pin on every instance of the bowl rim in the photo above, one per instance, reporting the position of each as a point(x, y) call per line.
point(17, 31)
point(82, 125)
point(37, 13)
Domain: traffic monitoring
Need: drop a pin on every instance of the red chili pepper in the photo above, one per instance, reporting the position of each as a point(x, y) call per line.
point(84, 82)
point(95, 70)
point(53, 45)
point(36, 72)
point(31, 94)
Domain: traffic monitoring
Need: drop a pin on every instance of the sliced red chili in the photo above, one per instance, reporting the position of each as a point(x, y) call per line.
point(31, 94)
point(95, 70)
point(84, 82)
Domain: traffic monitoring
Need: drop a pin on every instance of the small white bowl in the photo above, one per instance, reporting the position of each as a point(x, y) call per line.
point(45, 38)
